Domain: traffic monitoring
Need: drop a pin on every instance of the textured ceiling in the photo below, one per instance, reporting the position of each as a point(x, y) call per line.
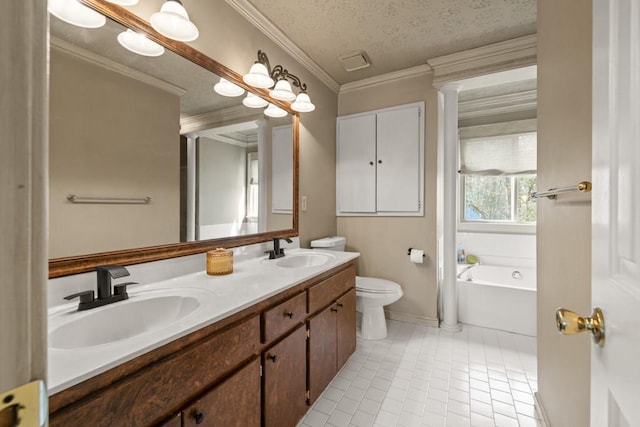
point(396, 34)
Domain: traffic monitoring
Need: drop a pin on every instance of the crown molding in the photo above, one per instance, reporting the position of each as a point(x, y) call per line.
point(369, 82)
point(198, 122)
point(268, 28)
point(509, 54)
point(498, 104)
point(109, 64)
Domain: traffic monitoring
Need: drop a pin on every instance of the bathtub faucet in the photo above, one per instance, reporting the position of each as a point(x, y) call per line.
point(467, 268)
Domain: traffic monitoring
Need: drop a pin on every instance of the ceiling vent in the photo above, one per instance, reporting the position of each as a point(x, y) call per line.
point(354, 61)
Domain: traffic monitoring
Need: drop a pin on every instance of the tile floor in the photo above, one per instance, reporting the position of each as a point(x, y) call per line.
point(421, 376)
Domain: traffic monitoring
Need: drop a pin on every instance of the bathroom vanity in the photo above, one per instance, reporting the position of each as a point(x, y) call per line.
point(260, 363)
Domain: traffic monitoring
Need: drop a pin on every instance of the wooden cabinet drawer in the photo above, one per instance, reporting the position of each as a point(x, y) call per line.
point(329, 290)
point(146, 396)
point(284, 317)
point(235, 402)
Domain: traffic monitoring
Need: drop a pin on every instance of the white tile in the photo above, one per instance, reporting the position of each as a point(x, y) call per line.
point(409, 420)
point(362, 419)
point(348, 405)
point(369, 406)
point(456, 420)
point(324, 405)
point(315, 419)
point(393, 406)
point(375, 394)
point(478, 420)
point(421, 376)
point(339, 419)
point(502, 421)
point(387, 419)
point(333, 393)
point(355, 393)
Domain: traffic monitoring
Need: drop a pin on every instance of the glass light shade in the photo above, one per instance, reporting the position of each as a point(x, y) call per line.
point(274, 111)
point(225, 88)
point(74, 12)
point(124, 2)
point(139, 43)
point(303, 104)
point(173, 21)
point(254, 101)
point(283, 91)
point(258, 76)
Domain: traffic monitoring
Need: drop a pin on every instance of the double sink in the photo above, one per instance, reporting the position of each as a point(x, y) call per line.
point(149, 310)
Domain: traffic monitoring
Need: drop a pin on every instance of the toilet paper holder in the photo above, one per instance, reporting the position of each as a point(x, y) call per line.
point(409, 252)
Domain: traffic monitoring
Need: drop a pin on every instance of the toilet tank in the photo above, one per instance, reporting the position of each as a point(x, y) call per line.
point(333, 243)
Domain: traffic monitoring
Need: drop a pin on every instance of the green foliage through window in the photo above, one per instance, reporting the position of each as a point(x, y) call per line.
point(503, 199)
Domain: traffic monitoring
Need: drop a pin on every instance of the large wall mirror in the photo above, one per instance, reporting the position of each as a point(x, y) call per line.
point(148, 162)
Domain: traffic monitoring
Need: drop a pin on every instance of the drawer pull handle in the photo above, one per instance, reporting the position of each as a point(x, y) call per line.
point(340, 305)
point(272, 357)
point(334, 309)
point(199, 417)
point(289, 314)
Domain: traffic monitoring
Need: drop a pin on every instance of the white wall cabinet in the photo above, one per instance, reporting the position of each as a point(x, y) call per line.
point(380, 162)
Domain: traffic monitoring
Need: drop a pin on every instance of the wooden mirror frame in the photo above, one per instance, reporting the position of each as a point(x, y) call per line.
point(83, 263)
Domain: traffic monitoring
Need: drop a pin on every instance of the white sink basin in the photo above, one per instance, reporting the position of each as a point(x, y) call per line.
point(304, 260)
point(143, 312)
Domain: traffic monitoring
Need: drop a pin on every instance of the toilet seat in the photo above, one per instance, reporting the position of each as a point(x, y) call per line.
point(375, 285)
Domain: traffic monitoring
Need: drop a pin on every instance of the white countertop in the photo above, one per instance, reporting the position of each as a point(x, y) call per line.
point(252, 281)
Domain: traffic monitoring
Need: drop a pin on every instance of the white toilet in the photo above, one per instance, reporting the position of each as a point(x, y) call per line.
point(371, 294)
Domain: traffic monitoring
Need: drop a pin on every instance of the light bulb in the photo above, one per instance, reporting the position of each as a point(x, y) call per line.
point(139, 43)
point(282, 91)
point(173, 21)
point(302, 104)
point(274, 111)
point(258, 76)
point(254, 101)
point(225, 88)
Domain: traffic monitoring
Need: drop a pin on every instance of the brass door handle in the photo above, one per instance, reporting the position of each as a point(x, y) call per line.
point(570, 323)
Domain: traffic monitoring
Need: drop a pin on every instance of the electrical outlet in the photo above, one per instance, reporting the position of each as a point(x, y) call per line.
point(303, 204)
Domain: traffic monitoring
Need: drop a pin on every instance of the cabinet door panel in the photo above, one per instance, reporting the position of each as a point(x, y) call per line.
point(356, 164)
point(285, 381)
point(398, 157)
point(346, 327)
point(235, 402)
point(322, 351)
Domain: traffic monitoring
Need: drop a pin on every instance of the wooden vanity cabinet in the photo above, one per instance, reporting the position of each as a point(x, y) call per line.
point(234, 403)
point(332, 331)
point(284, 380)
point(212, 376)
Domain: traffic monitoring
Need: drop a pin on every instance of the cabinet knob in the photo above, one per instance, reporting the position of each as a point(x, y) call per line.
point(340, 305)
point(198, 416)
point(334, 309)
point(371, 163)
point(379, 161)
point(272, 357)
point(289, 314)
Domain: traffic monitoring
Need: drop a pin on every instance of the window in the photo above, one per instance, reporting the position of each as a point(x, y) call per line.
point(497, 176)
point(503, 199)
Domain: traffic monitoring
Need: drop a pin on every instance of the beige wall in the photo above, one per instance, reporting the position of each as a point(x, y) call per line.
point(564, 226)
point(383, 241)
point(96, 117)
point(230, 39)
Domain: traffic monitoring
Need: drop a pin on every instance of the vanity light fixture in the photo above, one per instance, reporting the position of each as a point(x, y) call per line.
point(261, 75)
point(274, 111)
point(76, 13)
point(139, 43)
point(225, 88)
point(254, 101)
point(173, 21)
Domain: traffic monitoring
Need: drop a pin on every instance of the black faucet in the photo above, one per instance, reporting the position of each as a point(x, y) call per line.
point(277, 251)
point(105, 294)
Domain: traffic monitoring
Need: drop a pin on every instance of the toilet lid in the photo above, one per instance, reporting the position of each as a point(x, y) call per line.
point(376, 285)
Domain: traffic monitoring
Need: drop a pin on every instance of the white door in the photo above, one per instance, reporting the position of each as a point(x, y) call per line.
point(398, 186)
point(615, 367)
point(356, 167)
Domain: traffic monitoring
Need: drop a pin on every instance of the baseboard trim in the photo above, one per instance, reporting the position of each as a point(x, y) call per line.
point(540, 412)
point(411, 318)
